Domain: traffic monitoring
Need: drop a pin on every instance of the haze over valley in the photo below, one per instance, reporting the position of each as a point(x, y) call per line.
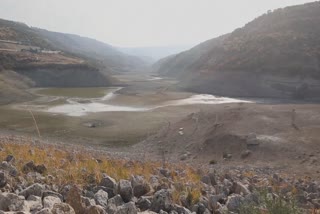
point(171, 108)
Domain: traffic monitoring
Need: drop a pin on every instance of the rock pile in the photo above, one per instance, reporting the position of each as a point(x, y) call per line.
point(32, 191)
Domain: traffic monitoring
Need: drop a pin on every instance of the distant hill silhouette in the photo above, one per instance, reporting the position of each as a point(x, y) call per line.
point(152, 54)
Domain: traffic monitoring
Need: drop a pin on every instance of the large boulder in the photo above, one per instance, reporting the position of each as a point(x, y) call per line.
point(128, 208)
point(125, 190)
point(143, 203)
point(181, 210)
point(51, 193)
point(73, 198)
point(213, 201)
point(50, 201)
point(62, 208)
point(35, 177)
point(239, 188)
point(116, 200)
point(12, 202)
point(200, 208)
point(95, 209)
point(161, 200)
point(35, 189)
point(154, 182)
point(140, 186)
point(3, 179)
point(110, 184)
point(34, 203)
point(88, 201)
point(113, 203)
point(9, 168)
point(31, 167)
point(64, 191)
point(234, 202)
point(10, 159)
point(101, 198)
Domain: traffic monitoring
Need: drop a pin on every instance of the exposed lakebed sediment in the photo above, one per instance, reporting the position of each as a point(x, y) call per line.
point(75, 104)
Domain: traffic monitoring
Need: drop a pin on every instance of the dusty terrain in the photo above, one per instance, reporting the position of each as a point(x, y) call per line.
point(204, 157)
point(113, 128)
point(251, 134)
point(265, 133)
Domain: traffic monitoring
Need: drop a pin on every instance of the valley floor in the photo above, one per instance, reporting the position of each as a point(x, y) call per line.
point(264, 134)
point(198, 157)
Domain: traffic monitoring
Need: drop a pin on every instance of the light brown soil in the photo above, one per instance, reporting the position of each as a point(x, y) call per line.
point(228, 129)
point(195, 134)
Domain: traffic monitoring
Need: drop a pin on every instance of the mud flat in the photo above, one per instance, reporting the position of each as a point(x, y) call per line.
point(81, 101)
point(103, 116)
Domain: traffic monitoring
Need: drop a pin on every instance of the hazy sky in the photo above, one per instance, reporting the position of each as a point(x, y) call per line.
point(140, 22)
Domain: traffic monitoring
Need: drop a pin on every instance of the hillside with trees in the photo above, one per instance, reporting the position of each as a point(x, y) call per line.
point(275, 55)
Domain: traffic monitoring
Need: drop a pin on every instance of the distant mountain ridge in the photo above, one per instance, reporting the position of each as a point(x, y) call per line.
point(105, 54)
point(152, 54)
point(275, 55)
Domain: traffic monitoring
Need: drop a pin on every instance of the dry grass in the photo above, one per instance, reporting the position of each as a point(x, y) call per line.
point(80, 166)
point(315, 211)
point(190, 195)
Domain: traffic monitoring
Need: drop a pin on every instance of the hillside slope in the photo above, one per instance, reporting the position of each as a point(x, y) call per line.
point(275, 55)
point(105, 55)
point(95, 51)
point(12, 87)
point(50, 59)
point(251, 133)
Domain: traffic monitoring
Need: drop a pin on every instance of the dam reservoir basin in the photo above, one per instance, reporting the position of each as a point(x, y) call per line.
point(82, 101)
point(107, 116)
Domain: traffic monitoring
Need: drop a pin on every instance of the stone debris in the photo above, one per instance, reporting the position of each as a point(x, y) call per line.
point(219, 192)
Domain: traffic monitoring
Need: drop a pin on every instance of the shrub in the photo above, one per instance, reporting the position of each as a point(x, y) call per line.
point(271, 204)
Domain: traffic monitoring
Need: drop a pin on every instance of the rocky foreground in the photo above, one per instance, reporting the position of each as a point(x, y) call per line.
point(43, 179)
